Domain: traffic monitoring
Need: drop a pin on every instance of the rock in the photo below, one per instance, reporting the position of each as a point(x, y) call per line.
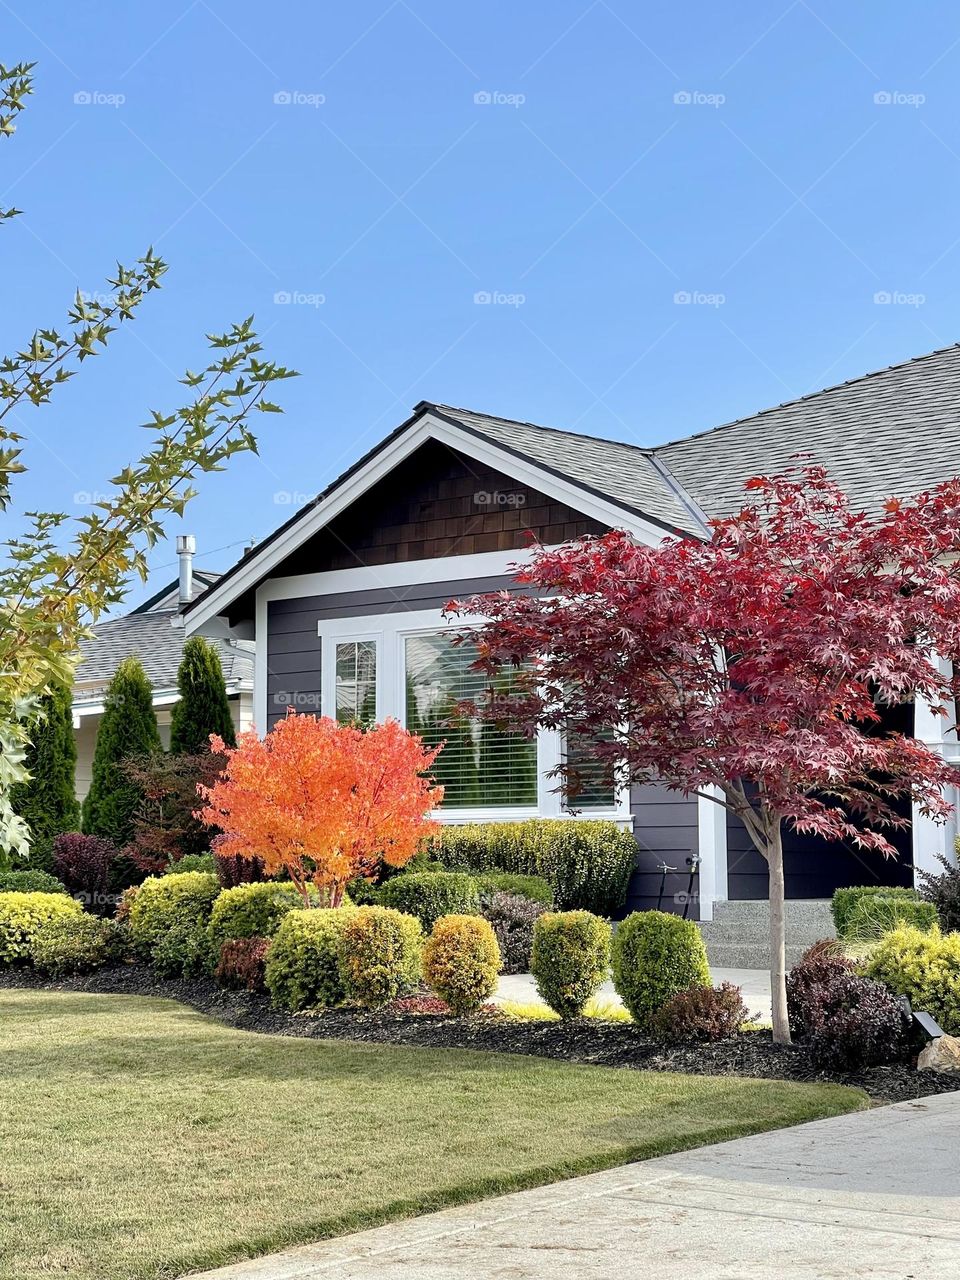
point(943, 1055)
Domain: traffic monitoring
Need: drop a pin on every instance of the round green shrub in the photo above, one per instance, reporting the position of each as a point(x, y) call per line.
point(533, 887)
point(655, 955)
point(570, 959)
point(192, 862)
point(428, 895)
point(873, 915)
point(252, 910)
point(22, 915)
point(184, 950)
point(76, 944)
point(30, 882)
point(303, 969)
point(461, 961)
point(381, 955)
point(924, 967)
point(171, 902)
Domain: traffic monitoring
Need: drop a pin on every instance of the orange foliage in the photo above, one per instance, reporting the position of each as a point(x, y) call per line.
point(323, 801)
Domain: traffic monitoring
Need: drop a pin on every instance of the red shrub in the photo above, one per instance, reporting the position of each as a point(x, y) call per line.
point(242, 963)
point(701, 1013)
point(818, 967)
point(83, 864)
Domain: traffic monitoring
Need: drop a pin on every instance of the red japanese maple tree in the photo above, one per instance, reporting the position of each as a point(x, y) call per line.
point(323, 802)
point(751, 667)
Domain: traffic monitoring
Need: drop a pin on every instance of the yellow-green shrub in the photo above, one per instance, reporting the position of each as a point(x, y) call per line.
point(76, 944)
point(570, 959)
point(924, 966)
point(169, 913)
point(381, 955)
point(655, 955)
point(23, 914)
point(461, 961)
point(251, 911)
point(303, 964)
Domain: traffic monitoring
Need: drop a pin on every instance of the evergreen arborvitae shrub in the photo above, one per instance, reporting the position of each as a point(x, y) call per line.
point(203, 707)
point(655, 955)
point(48, 802)
point(128, 729)
point(570, 959)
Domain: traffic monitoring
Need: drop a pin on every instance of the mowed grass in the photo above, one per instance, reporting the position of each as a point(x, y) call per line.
point(141, 1139)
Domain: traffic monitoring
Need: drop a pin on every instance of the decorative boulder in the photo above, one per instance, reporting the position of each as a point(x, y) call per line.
point(943, 1055)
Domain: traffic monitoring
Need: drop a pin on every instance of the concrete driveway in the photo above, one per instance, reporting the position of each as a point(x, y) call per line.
point(875, 1194)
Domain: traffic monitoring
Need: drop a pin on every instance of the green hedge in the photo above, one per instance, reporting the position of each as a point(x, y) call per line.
point(30, 882)
point(570, 959)
point(23, 915)
point(655, 955)
point(428, 895)
point(587, 863)
point(844, 901)
point(924, 967)
point(533, 887)
point(303, 964)
point(251, 911)
point(875, 914)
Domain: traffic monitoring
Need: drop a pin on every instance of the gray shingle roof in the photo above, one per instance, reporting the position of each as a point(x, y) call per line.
point(889, 433)
point(623, 472)
point(157, 644)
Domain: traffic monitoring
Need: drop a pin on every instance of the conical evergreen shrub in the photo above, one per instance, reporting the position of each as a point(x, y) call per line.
point(203, 707)
point(48, 802)
point(128, 728)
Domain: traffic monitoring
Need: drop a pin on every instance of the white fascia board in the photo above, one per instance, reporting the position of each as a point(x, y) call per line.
point(99, 705)
point(216, 598)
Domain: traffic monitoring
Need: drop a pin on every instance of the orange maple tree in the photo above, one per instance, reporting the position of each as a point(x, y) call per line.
point(323, 802)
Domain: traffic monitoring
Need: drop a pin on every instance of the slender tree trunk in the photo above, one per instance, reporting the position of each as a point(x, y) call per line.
point(778, 958)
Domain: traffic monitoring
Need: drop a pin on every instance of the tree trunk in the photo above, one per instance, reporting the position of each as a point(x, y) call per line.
point(778, 958)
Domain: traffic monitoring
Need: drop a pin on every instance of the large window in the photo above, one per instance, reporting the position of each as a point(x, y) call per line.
point(480, 766)
point(591, 786)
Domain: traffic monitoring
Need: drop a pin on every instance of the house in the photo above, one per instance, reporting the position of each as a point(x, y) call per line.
point(149, 633)
point(344, 600)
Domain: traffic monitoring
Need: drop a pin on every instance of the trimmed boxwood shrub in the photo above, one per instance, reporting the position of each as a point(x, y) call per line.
point(251, 910)
point(461, 961)
point(513, 919)
point(845, 900)
point(30, 882)
point(586, 862)
point(172, 903)
point(701, 1013)
point(75, 944)
point(22, 915)
point(873, 915)
point(381, 955)
point(428, 895)
point(924, 967)
point(570, 959)
point(242, 964)
point(303, 965)
point(655, 955)
point(535, 888)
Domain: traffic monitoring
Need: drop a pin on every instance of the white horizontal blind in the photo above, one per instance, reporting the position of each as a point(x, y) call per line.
point(590, 787)
point(480, 765)
point(356, 681)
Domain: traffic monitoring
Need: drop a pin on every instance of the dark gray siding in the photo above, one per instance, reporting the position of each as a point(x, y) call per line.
point(293, 646)
point(665, 825)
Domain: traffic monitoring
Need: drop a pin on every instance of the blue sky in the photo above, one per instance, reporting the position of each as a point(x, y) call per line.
point(792, 170)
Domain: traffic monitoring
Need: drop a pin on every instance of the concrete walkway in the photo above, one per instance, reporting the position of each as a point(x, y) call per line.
point(875, 1194)
point(521, 988)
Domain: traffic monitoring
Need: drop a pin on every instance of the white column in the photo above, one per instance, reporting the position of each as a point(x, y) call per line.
point(712, 847)
point(932, 838)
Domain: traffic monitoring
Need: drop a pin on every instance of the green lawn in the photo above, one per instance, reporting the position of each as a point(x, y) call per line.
point(140, 1139)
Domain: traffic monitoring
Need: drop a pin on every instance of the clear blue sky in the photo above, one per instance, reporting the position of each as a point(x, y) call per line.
point(783, 196)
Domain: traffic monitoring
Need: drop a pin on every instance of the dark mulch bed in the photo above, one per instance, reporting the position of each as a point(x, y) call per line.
point(584, 1040)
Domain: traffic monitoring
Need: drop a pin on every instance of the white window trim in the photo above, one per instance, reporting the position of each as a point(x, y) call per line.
point(390, 631)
